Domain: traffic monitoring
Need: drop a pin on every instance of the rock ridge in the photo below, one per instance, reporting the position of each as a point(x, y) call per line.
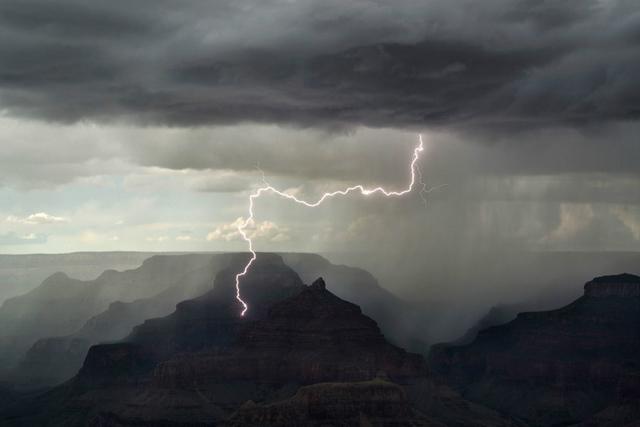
point(619, 285)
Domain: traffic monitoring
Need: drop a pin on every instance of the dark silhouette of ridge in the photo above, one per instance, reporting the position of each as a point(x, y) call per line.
point(555, 367)
point(200, 364)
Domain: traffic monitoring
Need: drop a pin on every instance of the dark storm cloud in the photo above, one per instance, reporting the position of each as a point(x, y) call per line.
point(333, 64)
point(70, 19)
point(550, 14)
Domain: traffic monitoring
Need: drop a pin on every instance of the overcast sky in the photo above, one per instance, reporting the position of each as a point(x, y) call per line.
point(142, 125)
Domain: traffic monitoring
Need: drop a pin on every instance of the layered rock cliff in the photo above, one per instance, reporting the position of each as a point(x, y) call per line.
point(621, 285)
point(406, 323)
point(209, 322)
point(61, 305)
point(308, 338)
point(555, 367)
point(372, 403)
point(201, 364)
point(52, 360)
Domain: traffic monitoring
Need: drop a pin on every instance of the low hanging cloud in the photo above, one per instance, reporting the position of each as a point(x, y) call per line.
point(573, 220)
point(630, 217)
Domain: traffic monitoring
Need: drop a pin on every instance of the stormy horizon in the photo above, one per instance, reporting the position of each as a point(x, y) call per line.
point(224, 206)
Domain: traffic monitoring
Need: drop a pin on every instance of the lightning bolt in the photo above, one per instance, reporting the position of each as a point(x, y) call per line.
point(415, 172)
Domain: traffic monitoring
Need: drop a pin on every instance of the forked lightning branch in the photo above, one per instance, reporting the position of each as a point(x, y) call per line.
point(242, 227)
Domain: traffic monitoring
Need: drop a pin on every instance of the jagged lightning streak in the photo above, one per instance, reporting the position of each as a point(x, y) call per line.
point(364, 191)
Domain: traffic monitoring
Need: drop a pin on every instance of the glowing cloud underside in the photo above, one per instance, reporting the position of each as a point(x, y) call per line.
point(364, 191)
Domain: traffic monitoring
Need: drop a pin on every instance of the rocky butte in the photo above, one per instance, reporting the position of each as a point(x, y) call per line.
point(576, 364)
point(621, 285)
point(301, 354)
point(308, 338)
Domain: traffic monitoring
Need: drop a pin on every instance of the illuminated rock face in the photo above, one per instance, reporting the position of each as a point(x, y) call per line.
point(558, 366)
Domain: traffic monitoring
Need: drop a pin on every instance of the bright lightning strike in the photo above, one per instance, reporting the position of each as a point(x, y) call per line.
point(415, 171)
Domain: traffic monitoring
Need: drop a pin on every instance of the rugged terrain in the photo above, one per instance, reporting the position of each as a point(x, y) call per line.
point(51, 360)
point(68, 309)
point(203, 363)
point(305, 355)
point(376, 402)
point(557, 367)
point(20, 274)
point(404, 322)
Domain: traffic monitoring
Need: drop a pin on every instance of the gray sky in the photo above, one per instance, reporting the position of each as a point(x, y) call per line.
point(141, 124)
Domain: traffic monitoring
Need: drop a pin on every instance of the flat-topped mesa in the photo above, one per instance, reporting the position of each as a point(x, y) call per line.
point(619, 285)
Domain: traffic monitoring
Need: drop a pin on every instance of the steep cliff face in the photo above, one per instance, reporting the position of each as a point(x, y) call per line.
point(61, 305)
point(57, 307)
point(372, 403)
point(403, 322)
point(308, 338)
point(621, 285)
point(211, 321)
point(559, 366)
point(50, 361)
point(199, 365)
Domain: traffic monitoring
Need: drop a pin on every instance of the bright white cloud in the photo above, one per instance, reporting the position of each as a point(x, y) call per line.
point(157, 239)
point(265, 230)
point(36, 219)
